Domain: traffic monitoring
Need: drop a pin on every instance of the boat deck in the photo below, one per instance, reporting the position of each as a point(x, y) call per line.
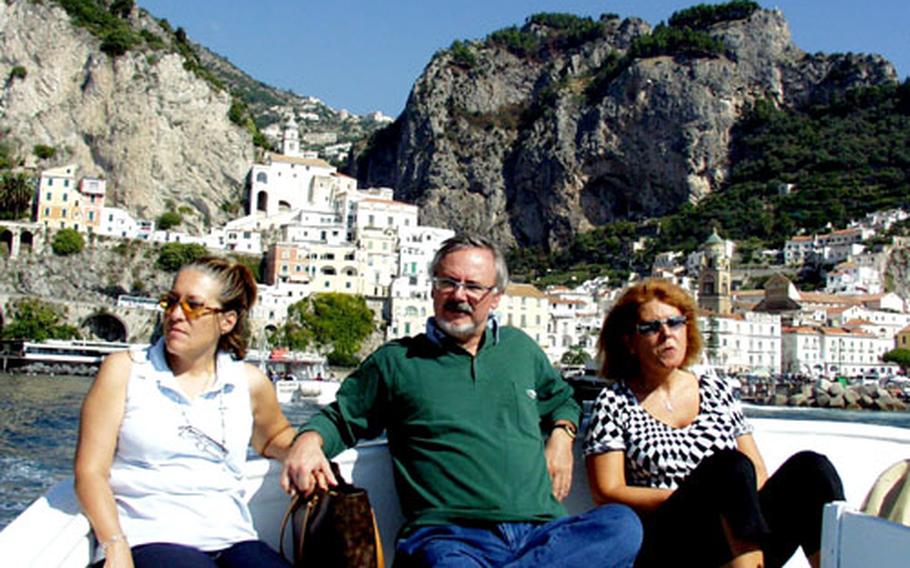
point(52, 532)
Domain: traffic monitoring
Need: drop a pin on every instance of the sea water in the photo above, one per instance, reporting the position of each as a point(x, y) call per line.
point(39, 422)
point(39, 419)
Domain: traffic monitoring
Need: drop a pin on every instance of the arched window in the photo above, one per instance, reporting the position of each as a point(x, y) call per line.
point(410, 311)
point(262, 177)
point(26, 241)
point(262, 201)
point(328, 270)
point(6, 242)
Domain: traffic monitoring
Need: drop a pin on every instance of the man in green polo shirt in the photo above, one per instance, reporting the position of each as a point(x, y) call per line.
point(465, 407)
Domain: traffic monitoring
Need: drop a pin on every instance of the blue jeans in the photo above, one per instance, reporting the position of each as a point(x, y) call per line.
point(243, 554)
point(607, 536)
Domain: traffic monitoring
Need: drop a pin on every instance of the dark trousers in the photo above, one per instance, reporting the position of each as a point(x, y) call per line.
point(241, 555)
point(686, 530)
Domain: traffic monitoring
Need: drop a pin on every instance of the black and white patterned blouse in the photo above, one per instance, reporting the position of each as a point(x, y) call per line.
point(656, 454)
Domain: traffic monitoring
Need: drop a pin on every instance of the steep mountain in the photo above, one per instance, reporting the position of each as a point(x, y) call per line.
point(169, 124)
point(158, 133)
point(538, 133)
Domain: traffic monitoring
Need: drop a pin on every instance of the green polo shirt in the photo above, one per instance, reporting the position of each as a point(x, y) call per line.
point(465, 432)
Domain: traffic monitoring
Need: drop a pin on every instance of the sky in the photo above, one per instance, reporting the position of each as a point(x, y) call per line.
point(364, 55)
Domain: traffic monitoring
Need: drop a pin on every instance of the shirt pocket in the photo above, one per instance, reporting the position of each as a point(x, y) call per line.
point(527, 415)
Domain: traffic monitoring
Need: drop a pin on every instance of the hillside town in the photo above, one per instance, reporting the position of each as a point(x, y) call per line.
point(320, 233)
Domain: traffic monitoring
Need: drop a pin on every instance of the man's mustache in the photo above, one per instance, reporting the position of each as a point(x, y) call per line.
point(455, 306)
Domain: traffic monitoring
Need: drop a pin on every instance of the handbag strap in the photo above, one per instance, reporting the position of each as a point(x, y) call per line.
point(292, 506)
point(311, 502)
point(295, 504)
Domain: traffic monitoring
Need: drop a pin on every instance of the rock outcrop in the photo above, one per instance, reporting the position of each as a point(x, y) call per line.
point(531, 149)
point(159, 134)
point(828, 394)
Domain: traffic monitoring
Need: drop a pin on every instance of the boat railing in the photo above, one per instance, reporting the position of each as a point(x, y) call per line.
point(53, 532)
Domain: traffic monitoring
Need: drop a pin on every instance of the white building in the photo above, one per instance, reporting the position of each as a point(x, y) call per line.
point(272, 303)
point(116, 222)
point(881, 221)
point(379, 248)
point(833, 351)
point(410, 305)
point(745, 342)
point(828, 248)
point(527, 308)
point(294, 180)
point(417, 246)
point(575, 317)
point(234, 240)
point(853, 277)
point(798, 249)
point(881, 323)
point(368, 212)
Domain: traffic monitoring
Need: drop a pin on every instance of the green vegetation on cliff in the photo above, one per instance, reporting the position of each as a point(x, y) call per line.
point(831, 162)
point(704, 15)
point(17, 189)
point(336, 322)
point(546, 31)
point(68, 241)
point(34, 320)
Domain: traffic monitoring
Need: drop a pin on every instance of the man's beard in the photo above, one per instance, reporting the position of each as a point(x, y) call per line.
point(458, 331)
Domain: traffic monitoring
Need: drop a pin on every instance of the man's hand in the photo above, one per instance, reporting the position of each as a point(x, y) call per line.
point(559, 462)
point(306, 466)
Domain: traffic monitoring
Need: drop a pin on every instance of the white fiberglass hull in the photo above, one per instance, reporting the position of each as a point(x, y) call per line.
point(52, 532)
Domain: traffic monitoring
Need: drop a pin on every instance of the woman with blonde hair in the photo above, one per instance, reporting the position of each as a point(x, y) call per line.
point(164, 433)
point(676, 448)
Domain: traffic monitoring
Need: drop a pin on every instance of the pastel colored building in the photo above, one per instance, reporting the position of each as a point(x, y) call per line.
point(65, 202)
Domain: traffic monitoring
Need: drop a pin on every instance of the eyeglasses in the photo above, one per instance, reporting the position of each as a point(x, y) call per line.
point(191, 308)
point(653, 326)
point(203, 441)
point(449, 285)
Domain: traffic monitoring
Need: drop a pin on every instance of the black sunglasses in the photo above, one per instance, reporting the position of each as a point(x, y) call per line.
point(653, 326)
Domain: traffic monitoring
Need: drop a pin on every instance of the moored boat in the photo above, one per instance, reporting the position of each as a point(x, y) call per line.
point(317, 392)
point(52, 532)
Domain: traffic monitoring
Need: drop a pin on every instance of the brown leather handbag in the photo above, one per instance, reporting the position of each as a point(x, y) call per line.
point(334, 528)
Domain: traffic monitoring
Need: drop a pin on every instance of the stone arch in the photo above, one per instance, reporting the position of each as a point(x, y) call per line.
point(6, 242)
point(105, 326)
point(284, 206)
point(262, 201)
point(26, 241)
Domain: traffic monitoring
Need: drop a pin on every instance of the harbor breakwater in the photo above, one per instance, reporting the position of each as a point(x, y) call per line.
point(831, 394)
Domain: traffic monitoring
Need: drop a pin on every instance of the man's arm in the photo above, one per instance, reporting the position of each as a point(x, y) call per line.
point(306, 466)
point(559, 457)
point(561, 414)
point(356, 414)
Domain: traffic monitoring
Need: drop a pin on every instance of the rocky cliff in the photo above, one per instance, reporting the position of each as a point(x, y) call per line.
point(533, 146)
point(153, 129)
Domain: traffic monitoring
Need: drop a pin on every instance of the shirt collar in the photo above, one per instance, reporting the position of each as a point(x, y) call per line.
point(437, 336)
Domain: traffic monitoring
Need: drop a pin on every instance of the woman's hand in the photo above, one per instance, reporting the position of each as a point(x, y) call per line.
point(118, 555)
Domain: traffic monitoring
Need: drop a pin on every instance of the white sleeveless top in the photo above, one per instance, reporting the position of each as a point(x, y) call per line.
point(171, 480)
